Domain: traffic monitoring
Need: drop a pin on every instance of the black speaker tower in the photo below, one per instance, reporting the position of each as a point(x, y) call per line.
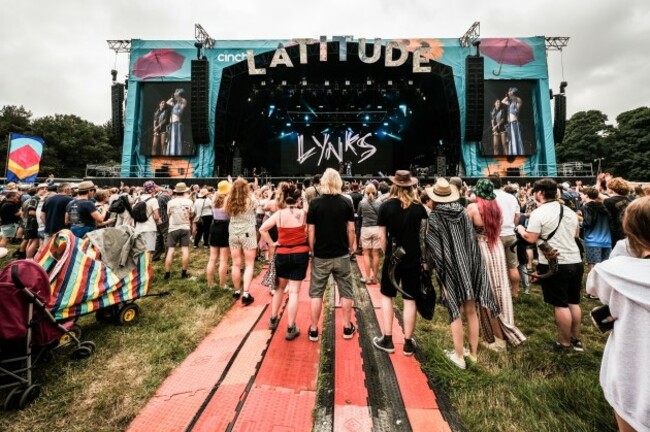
point(199, 101)
point(559, 120)
point(117, 110)
point(474, 95)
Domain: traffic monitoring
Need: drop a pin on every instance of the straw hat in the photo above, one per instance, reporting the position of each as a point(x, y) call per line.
point(403, 178)
point(86, 186)
point(203, 193)
point(443, 192)
point(223, 187)
point(181, 188)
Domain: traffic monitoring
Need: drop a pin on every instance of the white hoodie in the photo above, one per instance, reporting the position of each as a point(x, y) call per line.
point(623, 283)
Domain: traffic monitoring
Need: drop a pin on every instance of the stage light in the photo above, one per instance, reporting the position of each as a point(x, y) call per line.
point(369, 81)
point(327, 83)
point(284, 83)
point(424, 97)
point(288, 124)
point(365, 125)
point(306, 118)
point(307, 125)
point(367, 117)
point(114, 75)
point(563, 85)
point(263, 83)
point(347, 82)
point(390, 82)
point(304, 82)
point(379, 106)
point(403, 109)
point(410, 82)
point(385, 123)
point(272, 107)
point(249, 99)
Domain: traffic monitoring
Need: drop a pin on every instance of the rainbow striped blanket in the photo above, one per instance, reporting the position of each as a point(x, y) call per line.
point(81, 283)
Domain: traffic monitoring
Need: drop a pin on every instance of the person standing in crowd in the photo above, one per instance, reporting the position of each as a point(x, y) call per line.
point(462, 189)
point(558, 226)
point(330, 222)
point(292, 256)
point(163, 196)
point(148, 229)
point(178, 104)
point(81, 214)
point(622, 283)
point(369, 212)
point(202, 218)
point(596, 228)
point(54, 211)
point(240, 206)
point(32, 220)
point(313, 191)
point(462, 276)
point(180, 211)
point(101, 204)
point(400, 221)
point(356, 199)
point(510, 212)
point(219, 247)
point(10, 215)
point(618, 190)
point(486, 217)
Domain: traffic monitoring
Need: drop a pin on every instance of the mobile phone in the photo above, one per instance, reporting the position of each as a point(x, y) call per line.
point(602, 318)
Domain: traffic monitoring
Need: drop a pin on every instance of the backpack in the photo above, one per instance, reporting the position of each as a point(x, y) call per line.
point(139, 211)
point(119, 205)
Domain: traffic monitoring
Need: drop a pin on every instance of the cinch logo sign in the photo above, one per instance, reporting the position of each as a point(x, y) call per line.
point(231, 58)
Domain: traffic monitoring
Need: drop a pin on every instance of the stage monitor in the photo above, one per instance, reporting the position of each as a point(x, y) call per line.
point(509, 124)
point(165, 120)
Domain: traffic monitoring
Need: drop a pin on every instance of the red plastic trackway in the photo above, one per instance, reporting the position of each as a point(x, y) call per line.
point(243, 377)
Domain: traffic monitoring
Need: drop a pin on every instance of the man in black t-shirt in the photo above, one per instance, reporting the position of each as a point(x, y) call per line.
point(53, 211)
point(10, 214)
point(356, 199)
point(330, 222)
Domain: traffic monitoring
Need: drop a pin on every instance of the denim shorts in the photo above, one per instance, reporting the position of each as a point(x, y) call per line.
point(292, 266)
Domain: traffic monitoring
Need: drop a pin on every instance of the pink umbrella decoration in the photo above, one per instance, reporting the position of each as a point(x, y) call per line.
point(507, 51)
point(158, 63)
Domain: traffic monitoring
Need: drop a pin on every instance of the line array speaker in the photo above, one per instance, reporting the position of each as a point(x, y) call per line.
point(199, 101)
point(117, 117)
point(559, 120)
point(474, 95)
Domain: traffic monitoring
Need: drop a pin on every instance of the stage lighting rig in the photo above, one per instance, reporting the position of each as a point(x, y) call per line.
point(471, 35)
point(202, 36)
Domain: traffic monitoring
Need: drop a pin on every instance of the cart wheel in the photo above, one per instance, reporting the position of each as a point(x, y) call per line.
point(128, 314)
point(90, 345)
point(66, 339)
point(83, 352)
point(29, 396)
point(11, 402)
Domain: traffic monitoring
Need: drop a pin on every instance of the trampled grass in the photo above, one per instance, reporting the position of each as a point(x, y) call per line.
point(527, 389)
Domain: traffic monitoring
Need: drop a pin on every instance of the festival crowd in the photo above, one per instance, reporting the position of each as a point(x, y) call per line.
point(485, 244)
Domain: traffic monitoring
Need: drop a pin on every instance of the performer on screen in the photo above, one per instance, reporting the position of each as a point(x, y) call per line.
point(499, 134)
point(178, 104)
point(160, 124)
point(515, 141)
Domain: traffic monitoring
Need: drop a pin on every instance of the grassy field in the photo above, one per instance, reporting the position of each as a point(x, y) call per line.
point(527, 389)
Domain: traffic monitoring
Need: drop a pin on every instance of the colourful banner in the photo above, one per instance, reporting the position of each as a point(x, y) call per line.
point(24, 157)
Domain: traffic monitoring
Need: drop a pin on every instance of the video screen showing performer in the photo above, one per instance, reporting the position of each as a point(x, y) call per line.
point(509, 128)
point(166, 123)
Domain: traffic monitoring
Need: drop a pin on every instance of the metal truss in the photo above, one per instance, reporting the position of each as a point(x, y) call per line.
point(202, 36)
point(556, 43)
point(472, 34)
point(119, 46)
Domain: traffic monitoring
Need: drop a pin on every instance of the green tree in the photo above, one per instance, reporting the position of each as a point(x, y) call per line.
point(585, 138)
point(630, 145)
point(71, 143)
point(12, 119)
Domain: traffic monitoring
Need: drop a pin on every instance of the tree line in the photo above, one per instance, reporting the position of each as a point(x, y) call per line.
point(71, 142)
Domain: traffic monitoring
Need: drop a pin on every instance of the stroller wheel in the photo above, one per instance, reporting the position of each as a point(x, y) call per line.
point(11, 402)
point(83, 352)
point(29, 395)
point(66, 338)
point(128, 314)
point(105, 314)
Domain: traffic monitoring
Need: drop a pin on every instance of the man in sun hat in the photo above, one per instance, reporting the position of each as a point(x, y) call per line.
point(180, 210)
point(399, 221)
point(149, 229)
point(452, 242)
point(81, 213)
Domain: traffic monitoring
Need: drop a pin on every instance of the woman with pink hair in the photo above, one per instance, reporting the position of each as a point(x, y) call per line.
point(487, 218)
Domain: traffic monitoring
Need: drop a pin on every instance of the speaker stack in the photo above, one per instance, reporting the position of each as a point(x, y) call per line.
point(474, 98)
point(117, 110)
point(199, 101)
point(559, 120)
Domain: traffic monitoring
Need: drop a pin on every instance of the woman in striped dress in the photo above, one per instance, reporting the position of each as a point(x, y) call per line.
point(487, 218)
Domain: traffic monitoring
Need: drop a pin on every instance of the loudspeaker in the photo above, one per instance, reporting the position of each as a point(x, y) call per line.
point(117, 110)
point(474, 98)
point(513, 172)
point(199, 101)
point(559, 120)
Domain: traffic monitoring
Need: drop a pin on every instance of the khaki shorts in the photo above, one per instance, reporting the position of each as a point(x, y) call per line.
point(246, 240)
point(370, 237)
point(511, 253)
point(322, 268)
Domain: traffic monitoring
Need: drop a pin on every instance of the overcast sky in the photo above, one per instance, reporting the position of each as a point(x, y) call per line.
point(54, 57)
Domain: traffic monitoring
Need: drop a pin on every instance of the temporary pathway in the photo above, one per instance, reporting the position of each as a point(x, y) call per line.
point(244, 377)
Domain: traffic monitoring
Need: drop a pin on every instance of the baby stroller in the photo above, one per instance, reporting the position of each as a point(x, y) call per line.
point(28, 331)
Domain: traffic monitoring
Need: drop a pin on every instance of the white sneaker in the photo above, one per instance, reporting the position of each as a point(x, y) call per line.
point(459, 362)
